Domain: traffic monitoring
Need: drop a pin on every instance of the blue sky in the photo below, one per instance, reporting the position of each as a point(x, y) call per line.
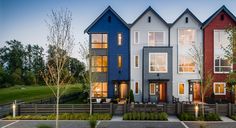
point(23, 20)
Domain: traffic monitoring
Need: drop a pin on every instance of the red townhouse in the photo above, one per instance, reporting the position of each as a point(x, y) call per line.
point(214, 40)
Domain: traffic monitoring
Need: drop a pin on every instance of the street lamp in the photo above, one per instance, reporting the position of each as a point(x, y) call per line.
point(196, 110)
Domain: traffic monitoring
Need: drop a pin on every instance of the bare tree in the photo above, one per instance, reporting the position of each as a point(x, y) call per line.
point(205, 84)
point(86, 56)
point(62, 41)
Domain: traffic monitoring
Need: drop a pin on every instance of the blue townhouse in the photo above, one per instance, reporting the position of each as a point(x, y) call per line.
point(109, 48)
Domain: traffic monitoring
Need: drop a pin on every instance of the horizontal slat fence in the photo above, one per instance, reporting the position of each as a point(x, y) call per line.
point(45, 109)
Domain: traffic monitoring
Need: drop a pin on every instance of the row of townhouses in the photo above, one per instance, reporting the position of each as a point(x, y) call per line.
point(153, 57)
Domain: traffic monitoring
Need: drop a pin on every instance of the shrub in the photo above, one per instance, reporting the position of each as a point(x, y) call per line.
point(212, 117)
point(131, 96)
point(92, 122)
point(233, 117)
point(145, 116)
point(64, 116)
point(43, 126)
point(186, 117)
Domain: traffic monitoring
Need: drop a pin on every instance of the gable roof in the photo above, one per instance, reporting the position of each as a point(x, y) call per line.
point(154, 12)
point(223, 8)
point(187, 11)
point(101, 15)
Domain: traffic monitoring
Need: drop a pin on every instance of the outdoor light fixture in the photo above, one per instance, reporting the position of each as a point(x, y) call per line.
point(196, 110)
point(14, 109)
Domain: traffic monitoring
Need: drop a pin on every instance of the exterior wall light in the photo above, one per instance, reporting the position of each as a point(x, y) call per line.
point(196, 110)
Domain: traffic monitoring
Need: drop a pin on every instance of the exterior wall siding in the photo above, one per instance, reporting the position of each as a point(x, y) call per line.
point(114, 50)
point(143, 27)
point(216, 23)
point(183, 77)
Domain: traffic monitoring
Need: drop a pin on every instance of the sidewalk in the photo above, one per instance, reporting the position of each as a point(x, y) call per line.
point(226, 119)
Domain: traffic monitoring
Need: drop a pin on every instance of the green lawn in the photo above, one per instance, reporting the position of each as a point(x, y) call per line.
point(31, 93)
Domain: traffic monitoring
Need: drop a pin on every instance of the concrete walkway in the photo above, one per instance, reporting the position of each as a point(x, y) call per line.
point(117, 118)
point(173, 119)
point(226, 119)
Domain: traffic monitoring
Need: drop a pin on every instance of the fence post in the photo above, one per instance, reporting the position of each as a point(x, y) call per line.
point(111, 109)
point(124, 108)
point(35, 108)
point(232, 109)
point(182, 108)
point(72, 108)
point(178, 109)
point(18, 110)
point(217, 108)
point(229, 109)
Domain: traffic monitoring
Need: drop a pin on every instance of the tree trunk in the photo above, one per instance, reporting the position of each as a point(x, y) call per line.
point(203, 111)
point(57, 111)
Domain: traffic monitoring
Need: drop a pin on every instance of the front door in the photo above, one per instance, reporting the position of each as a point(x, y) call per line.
point(161, 91)
point(123, 90)
point(196, 92)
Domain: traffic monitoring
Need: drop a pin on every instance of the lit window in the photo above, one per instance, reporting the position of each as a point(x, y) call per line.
point(99, 89)
point(221, 64)
point(181, 89)
point(136, 88)
point(186, 40)
point(158, 62)
point(136, 61)
point(99, 40)
point(99, 63)
point(136, 37)
point(219, 88)
point(119, 61)
point(152, 88)
point(119, 39)
point(156, 38)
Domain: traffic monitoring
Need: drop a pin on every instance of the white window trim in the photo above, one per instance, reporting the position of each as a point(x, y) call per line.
point(224, 88)
point(164, 41)
point(163, 53)
point(135, 88)
point(135, 61)
point(138, 42)
point(150, 89)
point(178, 88)
point(183, 28)
point(216, 72)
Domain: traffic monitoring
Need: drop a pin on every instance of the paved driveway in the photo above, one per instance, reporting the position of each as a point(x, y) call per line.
point(211, 124)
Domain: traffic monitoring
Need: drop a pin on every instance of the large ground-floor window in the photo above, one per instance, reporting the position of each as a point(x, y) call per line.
point(219, 88)
point(99, 89)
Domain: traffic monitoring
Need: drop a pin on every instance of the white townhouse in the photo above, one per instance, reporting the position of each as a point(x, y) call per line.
point(151, 31)
point(185, 32)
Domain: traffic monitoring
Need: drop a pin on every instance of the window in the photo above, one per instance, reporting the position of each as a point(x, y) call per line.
point(136, 87)
point(221, 64)
point(219, 88)
point(149, 19)
point(119, 38)
point(99, 89)
point(136, 61)
point(152, 88)
point(158, 62)
point(181, 88)
point(99, 40)
point(136, 37)
point(99, 63)
point(156, 38)
point(119, 61)
point(186, 40)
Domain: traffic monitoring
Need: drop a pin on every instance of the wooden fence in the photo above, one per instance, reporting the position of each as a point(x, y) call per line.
point(119, 109)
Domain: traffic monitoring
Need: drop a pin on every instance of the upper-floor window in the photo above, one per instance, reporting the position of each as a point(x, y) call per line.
point(136, 61)
point(99, 63)
point(119, 61)
point(186, 41)
point(219, 88)
point(119, 39)
point(221, 63)
point(156, 38)
point(158, 63)
point(99, 89)
point(136, 37)
point(99, 40)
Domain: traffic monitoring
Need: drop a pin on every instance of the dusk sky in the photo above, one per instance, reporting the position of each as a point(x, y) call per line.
point(24, 20)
